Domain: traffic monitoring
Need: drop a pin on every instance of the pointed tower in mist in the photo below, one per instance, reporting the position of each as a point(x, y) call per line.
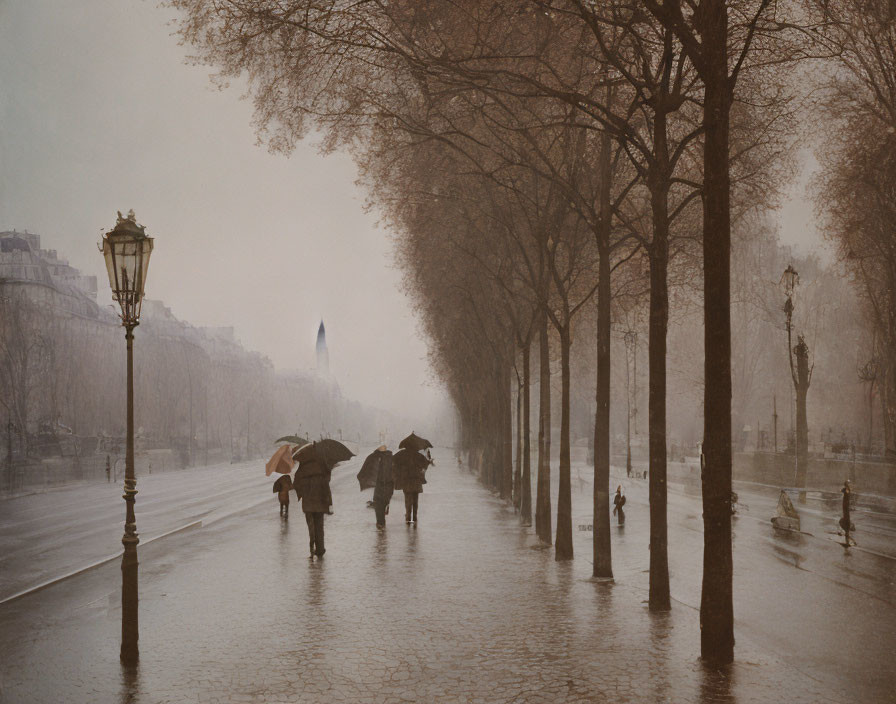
point(323, 356)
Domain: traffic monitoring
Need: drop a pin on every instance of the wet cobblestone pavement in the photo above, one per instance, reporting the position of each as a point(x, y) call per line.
point(462, 607)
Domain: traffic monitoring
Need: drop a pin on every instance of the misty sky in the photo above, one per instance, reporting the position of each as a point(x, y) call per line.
point(100, 113)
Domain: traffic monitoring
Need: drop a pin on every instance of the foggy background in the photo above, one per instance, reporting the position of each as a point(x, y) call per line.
point(100, 113)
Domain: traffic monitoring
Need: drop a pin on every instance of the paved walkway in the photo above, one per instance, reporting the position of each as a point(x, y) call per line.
point(462, 607)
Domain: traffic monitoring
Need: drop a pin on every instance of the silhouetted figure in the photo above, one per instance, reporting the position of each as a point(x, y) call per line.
point(282, 488)
point(409, 473)
point(845, 520)
point(312, 487)
point(618, 503)
point(384, 487)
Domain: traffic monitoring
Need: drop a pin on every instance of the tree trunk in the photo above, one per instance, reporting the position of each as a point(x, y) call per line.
point(526, 502)
point(656, 411)
point(543, 497)
point(506, 478)
point(887, 392)
point(602, 551)
point(518, 465)
point(870, 444)
point(716, 604)
point(802, 425)
point(563, 545)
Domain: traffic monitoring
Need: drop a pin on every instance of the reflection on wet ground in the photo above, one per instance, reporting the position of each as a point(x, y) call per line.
point(457, 608)
point(717, 684)
point(130, 684)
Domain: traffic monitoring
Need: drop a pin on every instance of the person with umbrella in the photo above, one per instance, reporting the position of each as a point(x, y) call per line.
point(282, 463)
point(376, 472)
point(282, 487)
point(618, 503)
point(410, 466)
point(312, 485)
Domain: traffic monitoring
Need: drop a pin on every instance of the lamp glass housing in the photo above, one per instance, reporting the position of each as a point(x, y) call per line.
point(790, 279)
point(127, 250)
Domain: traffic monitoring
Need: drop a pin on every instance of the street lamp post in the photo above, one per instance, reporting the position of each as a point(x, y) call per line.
point(127, 249)
point(801, 374)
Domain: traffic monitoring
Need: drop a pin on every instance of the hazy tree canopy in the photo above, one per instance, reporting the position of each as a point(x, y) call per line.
point(857, 188)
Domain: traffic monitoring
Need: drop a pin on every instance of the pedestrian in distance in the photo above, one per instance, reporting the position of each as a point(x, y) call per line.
point(312, 485)
point(282, 487)
point(845, 521)
point(384, 487)
point(409, 472)
point(618, 503)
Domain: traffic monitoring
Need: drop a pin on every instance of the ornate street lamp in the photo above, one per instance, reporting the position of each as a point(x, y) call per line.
point(127, 250)
point(801, 374)
point(789, 279)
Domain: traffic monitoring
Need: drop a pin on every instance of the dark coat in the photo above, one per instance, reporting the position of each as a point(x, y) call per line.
point(409, 471)
point(384, 487)
point(282, 487)
point(618, 502)
point(845, 521)
point(312, 485)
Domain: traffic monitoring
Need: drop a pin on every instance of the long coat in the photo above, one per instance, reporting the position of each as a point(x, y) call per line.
point(312, 485)
point(409, 471)
point(382, 491)
point(845, 521)
point(282, 487)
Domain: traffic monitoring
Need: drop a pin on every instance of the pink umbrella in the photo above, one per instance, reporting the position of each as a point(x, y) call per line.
point(281, 462)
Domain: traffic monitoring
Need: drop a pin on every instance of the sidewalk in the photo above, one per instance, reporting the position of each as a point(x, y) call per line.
point(463, 607)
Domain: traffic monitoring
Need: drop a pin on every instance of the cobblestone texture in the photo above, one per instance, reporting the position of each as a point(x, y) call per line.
point(462, 607)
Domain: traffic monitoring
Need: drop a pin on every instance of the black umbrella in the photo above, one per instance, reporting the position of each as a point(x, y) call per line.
point(414, 443)
point(367, 475)
point(327, 452)
point(292, 439)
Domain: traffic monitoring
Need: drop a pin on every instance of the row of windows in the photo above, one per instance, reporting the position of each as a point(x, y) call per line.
point(23, 272)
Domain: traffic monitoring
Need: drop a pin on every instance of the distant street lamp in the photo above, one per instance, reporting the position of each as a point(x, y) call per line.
point(127, 250)
point(801, 374)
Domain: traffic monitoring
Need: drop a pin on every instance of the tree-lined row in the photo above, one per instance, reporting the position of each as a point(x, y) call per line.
point(534, 156)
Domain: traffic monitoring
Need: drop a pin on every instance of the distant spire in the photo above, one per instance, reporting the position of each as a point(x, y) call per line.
point(323, 356)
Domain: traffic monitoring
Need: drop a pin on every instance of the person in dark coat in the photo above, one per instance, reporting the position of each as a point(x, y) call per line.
point(410, 476)
point(618, 503)
point(384, 487)
point(312, 485)
point(282, 488)
point(845, 520)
